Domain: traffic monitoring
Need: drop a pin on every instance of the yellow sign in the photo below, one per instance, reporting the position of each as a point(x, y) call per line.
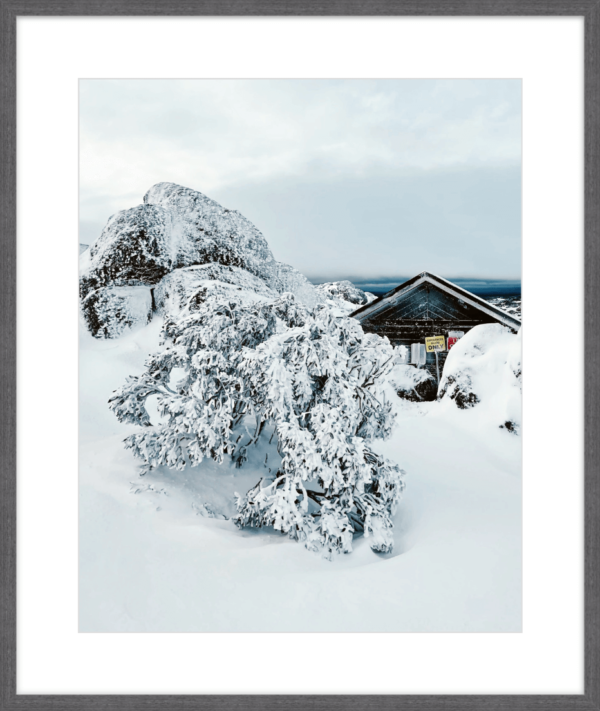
point(435, 343)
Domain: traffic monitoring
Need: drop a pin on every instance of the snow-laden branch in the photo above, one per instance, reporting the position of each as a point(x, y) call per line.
point(315, 378)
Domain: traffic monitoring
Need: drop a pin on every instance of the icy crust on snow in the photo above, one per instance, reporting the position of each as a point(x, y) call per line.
point(186, 289)
point(176, 228)
point(346, 291)
point(483, 370)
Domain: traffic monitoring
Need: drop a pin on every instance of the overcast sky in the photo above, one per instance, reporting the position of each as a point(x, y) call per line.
point(362, 179)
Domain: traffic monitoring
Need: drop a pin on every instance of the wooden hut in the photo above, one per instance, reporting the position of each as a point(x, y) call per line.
point(425, 306)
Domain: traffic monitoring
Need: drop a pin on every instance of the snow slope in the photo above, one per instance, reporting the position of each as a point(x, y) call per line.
point(156, 553)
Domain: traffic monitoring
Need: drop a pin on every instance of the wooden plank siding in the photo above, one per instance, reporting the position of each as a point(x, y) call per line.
point(429, 302)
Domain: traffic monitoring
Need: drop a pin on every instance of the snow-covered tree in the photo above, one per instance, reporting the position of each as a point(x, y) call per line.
point(228, 370)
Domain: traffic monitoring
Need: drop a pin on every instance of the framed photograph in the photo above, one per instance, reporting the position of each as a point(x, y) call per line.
point(274, 433)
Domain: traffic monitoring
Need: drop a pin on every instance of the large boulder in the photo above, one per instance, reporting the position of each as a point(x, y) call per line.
point(187, 288)
point(483, 370)
point(345, 291)
point(203, 231)
point(176, 228)
point(134, 249)
point(111, 310)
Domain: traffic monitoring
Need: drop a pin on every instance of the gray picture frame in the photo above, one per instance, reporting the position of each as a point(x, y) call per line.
point(10, 10)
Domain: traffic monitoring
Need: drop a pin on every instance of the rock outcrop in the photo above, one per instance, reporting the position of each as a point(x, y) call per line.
point(189, 287)
point(414, 384)
point(175, 229)
point(111, 310)
point(346, 291)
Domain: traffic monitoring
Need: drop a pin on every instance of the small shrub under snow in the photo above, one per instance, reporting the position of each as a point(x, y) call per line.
point(230, 369)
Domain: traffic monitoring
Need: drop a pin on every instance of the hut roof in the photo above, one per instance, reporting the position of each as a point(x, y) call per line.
point(395, 295)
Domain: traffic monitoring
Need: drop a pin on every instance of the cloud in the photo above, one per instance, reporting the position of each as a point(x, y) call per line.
point(455, 222)
point(320, 166)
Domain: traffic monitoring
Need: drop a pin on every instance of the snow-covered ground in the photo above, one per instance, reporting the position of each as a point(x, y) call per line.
point(510, 304)
point(156, 553)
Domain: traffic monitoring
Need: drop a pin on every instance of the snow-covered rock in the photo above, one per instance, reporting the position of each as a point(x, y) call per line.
point(177, 228)
point(412, 383)
point(135, 247)
point(203, 231)
point(510, 304)
point(483, 370)
point(346, 291)
point(288, 278)
point(110, 310)
point(189, 287)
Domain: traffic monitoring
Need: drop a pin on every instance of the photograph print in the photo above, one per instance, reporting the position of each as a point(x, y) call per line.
point(300, 356)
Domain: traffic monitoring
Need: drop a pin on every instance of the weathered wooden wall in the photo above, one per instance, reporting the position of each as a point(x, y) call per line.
point(422, 312)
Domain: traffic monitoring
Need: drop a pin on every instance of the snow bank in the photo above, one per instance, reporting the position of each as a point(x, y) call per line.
point(151, 560)
point(483, 371)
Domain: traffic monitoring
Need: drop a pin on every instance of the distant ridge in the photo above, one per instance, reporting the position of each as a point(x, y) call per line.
point(481, 287)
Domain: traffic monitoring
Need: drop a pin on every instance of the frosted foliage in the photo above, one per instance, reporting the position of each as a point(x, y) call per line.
point(412, 383)
point(187, 288)
point(229, 372)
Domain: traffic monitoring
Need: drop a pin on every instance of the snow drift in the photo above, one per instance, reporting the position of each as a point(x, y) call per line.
point(152, 560)
point(483, 370)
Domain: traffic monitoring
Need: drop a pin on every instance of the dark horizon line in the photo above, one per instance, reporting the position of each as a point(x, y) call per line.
point(375, 281)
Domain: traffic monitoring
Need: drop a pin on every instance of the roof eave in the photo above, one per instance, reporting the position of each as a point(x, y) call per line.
point(476, 301)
